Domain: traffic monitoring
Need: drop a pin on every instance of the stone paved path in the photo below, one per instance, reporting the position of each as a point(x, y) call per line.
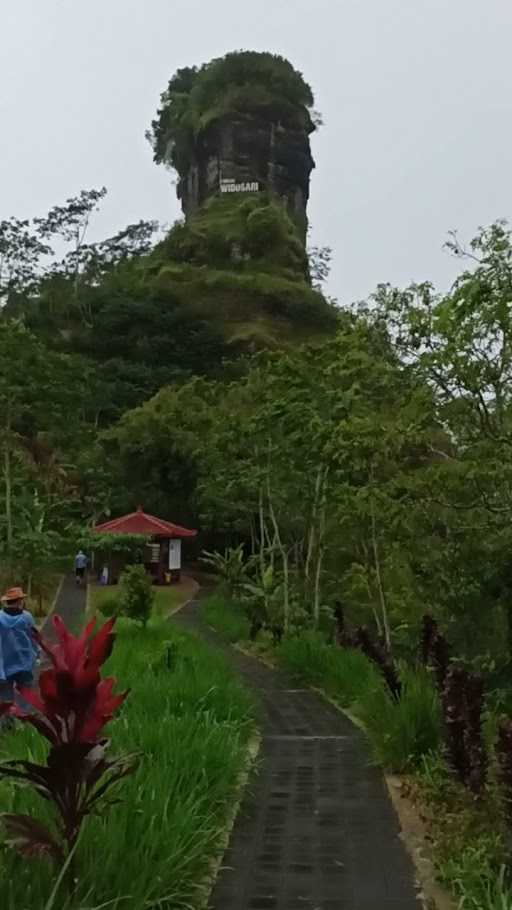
point(316, 830)
point(70, 606)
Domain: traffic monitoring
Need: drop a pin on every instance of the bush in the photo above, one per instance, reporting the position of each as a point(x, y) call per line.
point(232, 567)
point(343, 673)
point(251, 232)
point(137, 596)
point(110, 605)
point(228, 619)
point(479, 883)
point(470, 841)
point(401, 732)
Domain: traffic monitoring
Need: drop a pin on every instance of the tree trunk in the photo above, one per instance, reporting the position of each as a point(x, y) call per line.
point(253, 536)
point(378, 624)
point(320, 544)
point(284, 557)
point(262, 531)
point(263, 540)
point(380, 586)
point(286, 592)
point(318, 574)
point(312, 530)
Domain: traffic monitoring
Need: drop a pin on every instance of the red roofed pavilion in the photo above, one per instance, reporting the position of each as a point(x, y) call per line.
point(162, 556)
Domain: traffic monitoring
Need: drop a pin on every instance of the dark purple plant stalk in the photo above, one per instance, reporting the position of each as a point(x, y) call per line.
point(277, 634)
point(256, 627)
point(440, 660)
point(473, 735)
point(454, 708)
point(383, 646)
point(504, 756)
point(342, 636)
point(382, 660)
point(429, 632)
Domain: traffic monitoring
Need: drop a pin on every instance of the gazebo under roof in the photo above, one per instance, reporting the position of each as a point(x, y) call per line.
point(140, 522)
point(162, 556)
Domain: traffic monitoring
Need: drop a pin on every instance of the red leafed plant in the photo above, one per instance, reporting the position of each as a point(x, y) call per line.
point(71, 709)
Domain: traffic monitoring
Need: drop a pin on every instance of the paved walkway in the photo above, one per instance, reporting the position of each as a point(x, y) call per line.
point(70, 606)
point(316, 830)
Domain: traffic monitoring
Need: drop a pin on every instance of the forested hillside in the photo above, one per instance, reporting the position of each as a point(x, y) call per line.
point(350, 464)
point(204, 374)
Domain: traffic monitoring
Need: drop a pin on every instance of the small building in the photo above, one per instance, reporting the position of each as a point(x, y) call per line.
point(160, 553)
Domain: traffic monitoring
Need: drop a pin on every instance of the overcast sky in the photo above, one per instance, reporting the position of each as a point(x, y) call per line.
point(416, 96)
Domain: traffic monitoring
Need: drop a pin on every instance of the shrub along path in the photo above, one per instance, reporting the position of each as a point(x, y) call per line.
point(316, 829)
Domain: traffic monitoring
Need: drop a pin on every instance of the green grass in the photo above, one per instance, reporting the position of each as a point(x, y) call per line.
point(401, 732)
point(166, 598)
point(470, 842)
point(191, 726)
point(230, 621)
point(343, 674)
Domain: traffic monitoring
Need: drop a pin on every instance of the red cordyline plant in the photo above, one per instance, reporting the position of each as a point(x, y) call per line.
point(70, 710)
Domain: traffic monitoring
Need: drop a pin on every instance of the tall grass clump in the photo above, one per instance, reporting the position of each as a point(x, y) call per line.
point(190, 723)
point(475, 879)
point(227, 618)
point(344, 674)
point(401, 732)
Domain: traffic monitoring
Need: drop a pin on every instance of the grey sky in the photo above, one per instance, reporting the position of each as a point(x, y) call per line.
point(416, 97)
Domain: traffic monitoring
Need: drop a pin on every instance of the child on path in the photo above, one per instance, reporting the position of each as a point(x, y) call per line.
point(18, 649)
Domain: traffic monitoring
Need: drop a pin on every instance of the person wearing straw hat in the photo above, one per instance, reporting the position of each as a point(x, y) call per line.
point(18, 649)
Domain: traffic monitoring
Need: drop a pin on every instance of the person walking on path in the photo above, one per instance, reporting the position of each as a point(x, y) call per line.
point(80, 566)
point(18, 648)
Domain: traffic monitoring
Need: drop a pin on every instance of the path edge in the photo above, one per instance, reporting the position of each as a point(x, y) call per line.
point(216, 863)
point(189, 600)
point(413, 832)
point(415, 839)
point(51, 611)
point(206, 887)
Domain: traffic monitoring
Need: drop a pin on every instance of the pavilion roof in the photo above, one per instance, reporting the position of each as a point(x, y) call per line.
point(140, 522)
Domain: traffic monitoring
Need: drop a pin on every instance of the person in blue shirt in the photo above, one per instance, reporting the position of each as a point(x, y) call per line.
point(80, 566)
point(18, 649)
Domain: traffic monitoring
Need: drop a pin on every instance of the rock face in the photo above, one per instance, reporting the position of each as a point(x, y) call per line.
point(237, 152)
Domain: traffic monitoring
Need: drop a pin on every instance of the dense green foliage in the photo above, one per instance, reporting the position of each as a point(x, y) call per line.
point(136, 595)
point(248, 234)
point(356, 458)
point(372, 466)
point(231, 623)
point(470, 845)
point(191, 724)
point(95, 334)
point(400, 733)
point(239, 83)
point(346, 677)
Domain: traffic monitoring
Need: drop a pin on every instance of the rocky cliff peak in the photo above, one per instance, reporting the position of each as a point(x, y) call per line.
point(240, 154)
point(239, 124)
